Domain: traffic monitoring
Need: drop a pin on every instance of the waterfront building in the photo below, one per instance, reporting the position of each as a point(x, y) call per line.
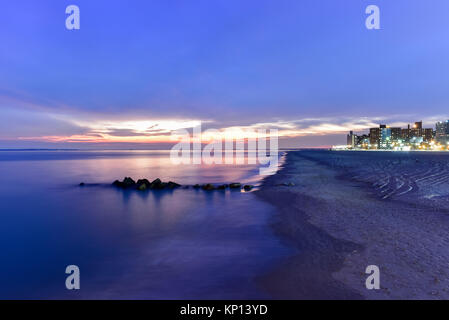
point(374, 137)
point(405, 133)
point(351, 139)
point(442, 132)
point(385, 137)
point(396, 134)
point(428, 134)
point(411, 138)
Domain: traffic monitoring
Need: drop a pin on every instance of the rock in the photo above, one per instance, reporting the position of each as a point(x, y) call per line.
point(142, 184)
point(157, 184)
point(143, 181)
point(197, 186)
point(248, 187)
point(142, 187)
point(222, 187)
point(291, 184)
point(208, 187)
point(235, 186)
point(128, 182)
point(156, 181)
point(173, 185)
point(82, 184)
point(118, 184)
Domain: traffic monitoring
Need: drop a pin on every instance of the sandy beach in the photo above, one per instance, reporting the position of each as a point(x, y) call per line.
point(345, 211)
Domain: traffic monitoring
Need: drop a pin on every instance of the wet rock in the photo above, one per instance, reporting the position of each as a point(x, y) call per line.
point(208, 187)
point(222, 187)
point(197, 186)
point(157, 184)
point(235, 185)
point(82, 184)
point(128, 182)
point(248, 187)
point(173, 185)
point(143, 181)
point(156, 181)
point(142, 187)
point(118, 184)
point(142, 184)
point(125, 184)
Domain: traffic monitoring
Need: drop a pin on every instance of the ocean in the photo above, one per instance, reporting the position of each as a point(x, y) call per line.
point(179, 244)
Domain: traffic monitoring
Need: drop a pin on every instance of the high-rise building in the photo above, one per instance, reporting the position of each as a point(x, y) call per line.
point(442, 131)
point(396, 134)
point(414, 137)
point(351, 139)
point(385, 137)
point(380, 138)
point(405, 134)
point(363, 141)
point(416, 133)
point(374, 137)
point(428, 134)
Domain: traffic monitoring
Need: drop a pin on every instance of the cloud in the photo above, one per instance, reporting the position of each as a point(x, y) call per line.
point(161, 130)
point(24, 120)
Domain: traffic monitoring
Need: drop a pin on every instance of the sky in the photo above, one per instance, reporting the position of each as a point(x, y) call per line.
point(136, 71)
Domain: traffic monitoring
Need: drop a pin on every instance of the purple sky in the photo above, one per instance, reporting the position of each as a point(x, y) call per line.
point(137, 70)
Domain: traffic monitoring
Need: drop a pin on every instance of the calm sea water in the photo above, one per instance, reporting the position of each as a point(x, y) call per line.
point(180, 244)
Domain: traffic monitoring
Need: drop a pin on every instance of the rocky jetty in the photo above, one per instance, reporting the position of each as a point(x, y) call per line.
point(158, 184)
point(127, 183)
point(145, 184)
point(208, 187)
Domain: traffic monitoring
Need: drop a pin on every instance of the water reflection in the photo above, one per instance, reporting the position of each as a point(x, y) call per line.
point(158, 244)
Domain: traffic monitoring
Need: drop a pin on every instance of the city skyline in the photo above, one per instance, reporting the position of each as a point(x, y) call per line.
point(413, 137)
point(311, 70)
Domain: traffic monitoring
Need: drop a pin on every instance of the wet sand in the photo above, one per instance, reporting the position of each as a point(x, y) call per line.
point(338, 225)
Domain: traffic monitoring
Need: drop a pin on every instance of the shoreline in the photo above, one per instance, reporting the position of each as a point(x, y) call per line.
point(307, 274)
point(337, 227)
